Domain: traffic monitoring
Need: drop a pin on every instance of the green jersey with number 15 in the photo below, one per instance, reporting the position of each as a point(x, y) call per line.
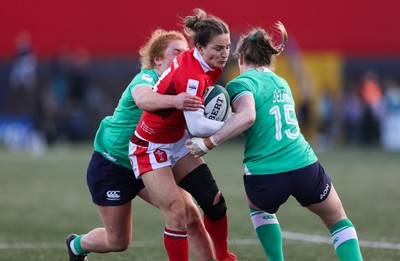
point(274, 143)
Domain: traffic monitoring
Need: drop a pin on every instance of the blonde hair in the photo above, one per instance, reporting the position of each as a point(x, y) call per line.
point(156, 45)
point(258, 48)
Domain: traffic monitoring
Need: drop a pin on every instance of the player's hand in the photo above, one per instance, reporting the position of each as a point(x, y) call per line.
point(196, 147)
point(186, 101)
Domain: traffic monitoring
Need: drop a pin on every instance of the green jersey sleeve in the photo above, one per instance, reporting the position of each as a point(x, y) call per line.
point(114, 132)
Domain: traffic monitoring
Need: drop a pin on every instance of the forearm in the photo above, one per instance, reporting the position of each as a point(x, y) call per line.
point(238, 123)
point(200, 126)
point(153, 101)
point(235, 126)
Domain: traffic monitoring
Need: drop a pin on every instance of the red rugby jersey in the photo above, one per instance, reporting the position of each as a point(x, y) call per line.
point(186, 74)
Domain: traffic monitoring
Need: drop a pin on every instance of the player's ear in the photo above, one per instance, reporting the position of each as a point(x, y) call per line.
point(157, 61)
point(200, 48)
point(240, 59)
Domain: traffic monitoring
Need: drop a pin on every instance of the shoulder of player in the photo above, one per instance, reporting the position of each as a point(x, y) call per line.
point(145, 76)
point(187, 71)
point(243, 79)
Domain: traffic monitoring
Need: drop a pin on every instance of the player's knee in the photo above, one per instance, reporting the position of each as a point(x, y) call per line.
point(120, 247)
point(175, 214)
point(193, 216)
point(201, 185)
point(215, 211)
point(120, 244)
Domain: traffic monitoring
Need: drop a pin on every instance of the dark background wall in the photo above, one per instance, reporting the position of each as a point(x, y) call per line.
point(332, 45)
point(118, 28)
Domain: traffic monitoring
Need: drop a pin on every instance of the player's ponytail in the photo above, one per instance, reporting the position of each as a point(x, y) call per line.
point(281, 28)
point(258, 48)
point(201, 27)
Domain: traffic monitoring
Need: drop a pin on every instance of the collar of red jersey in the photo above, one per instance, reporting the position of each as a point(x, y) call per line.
point(203, 63)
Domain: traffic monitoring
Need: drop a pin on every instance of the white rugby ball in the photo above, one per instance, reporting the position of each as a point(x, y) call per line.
point(216, 103)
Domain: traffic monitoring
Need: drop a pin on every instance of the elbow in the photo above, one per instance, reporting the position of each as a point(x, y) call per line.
point(140, 101)
point(139, 104)
point(249, 121)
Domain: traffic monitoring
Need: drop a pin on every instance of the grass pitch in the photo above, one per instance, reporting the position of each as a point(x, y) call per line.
point(44, 197)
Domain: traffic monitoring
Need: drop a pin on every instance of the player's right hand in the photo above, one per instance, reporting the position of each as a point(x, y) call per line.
point(186, 101)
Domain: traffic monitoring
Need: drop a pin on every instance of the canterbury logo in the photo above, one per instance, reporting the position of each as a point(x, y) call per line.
point(269, 217)
point(335, 240)
point(113, 195)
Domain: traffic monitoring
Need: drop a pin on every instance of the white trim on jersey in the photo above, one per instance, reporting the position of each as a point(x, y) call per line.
point(240, 95)
point(203, 63)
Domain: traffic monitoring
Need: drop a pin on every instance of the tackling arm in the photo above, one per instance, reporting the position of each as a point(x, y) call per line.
point(148, 100)
point(240, 121)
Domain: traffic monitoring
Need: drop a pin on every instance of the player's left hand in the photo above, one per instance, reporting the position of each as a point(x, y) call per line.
point(196, 147)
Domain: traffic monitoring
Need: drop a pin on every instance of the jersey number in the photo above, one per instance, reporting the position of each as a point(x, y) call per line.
point(287, 108)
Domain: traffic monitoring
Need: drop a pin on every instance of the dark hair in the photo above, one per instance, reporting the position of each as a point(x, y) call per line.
point(202, 28)
point(258, 48)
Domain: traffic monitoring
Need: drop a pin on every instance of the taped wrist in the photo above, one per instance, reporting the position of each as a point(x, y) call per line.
point(210, 143)
point(202, 145)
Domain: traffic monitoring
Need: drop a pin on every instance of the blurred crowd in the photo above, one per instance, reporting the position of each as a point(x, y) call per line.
point(49, 111)
point(372, 112)
point(63, 108)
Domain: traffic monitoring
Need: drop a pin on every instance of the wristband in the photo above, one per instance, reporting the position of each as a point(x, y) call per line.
point(210, 143)
point(213, 141)
point(202, 145)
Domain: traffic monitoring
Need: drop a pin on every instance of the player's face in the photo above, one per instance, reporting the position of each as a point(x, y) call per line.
point(174, 48)
point(216, 53)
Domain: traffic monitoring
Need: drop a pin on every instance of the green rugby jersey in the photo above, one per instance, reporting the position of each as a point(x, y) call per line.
point(112, 137)
point(274, 143)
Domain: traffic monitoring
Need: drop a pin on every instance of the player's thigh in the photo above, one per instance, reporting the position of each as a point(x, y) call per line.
point(145, 195)
point(117, 221)
point(185, 165)
point(330, 210)
point(162, 188)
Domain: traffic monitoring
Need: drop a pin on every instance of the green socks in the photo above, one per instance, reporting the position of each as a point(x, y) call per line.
point(76, 246)
point(269, 233)
point(344, 237)
point(345, 241)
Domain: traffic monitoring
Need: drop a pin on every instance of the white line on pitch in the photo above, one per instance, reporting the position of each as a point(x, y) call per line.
point(285, 234)
point(317, 239)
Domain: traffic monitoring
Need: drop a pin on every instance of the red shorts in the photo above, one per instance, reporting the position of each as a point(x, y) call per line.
point(146, 156)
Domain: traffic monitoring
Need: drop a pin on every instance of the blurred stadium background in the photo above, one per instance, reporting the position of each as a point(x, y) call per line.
point(64, 64)
point(342, 61)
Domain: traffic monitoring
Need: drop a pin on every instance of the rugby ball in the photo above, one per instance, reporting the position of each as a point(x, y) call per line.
point(216, 103)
